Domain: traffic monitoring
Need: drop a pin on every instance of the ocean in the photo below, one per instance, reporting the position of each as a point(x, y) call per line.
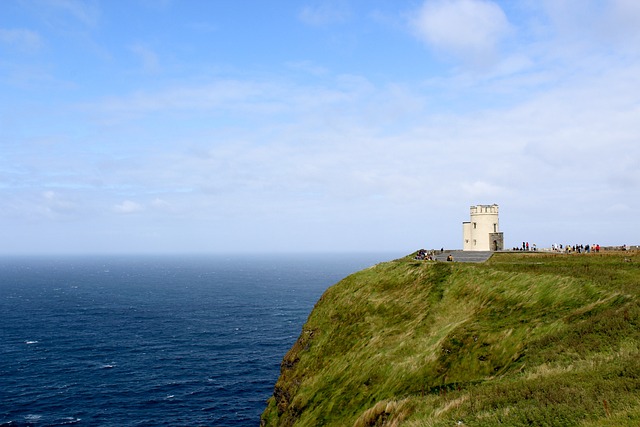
point(153, 340)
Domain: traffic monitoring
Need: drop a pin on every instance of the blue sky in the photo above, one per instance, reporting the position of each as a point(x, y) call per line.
point(151, 126)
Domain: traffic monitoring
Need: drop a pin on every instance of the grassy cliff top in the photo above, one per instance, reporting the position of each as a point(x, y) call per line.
point(523, 339)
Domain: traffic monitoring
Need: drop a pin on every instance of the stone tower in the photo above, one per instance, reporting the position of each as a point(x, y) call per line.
point(482, 233)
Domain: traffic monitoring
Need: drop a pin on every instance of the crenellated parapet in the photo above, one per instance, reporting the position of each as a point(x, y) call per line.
point(484, 210)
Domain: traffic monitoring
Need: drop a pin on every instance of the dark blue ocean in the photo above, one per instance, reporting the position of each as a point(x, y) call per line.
point(153, 341)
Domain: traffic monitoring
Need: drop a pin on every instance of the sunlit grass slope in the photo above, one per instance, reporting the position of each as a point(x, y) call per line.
point(523, 339)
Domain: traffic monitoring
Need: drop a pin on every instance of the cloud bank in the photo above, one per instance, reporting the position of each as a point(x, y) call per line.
point(531, 106)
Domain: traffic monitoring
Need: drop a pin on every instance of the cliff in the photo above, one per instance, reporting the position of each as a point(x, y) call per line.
point(523, 339)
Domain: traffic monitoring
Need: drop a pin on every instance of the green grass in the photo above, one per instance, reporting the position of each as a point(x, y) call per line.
point(523, 339)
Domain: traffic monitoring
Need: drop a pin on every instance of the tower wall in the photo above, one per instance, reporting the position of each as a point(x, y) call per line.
point(466, 236)
point(477, 232)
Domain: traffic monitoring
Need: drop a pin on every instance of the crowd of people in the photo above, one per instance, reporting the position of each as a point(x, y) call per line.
point(581, 248)
point(526, 247)
point(424, 255)
point(576, 248)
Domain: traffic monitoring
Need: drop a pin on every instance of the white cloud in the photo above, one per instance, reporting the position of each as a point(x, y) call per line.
point(54, 205)
point(165, 206)
point(624, 22)
point(579, 27)
point(471, 29)
point(86, 12)
point(628, 10)
point(147, 56)
point(618, 208)
point(308, 67)
point(359, 147)
point(228, 94)
point(21, 39)
point(324, 13)
point(128, 207)
point(229, 97)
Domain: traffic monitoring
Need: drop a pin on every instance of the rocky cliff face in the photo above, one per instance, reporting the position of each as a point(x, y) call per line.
point(520, 340)
point(289, 382)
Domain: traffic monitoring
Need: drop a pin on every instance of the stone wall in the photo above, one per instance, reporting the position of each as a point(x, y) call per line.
point(497, 241)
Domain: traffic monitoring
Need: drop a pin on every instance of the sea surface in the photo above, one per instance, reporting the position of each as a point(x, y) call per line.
point(153, 340)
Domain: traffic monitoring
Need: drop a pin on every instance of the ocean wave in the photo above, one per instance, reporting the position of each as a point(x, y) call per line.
point(69, 421)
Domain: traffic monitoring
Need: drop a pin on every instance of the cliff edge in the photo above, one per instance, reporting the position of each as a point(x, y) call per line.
point(523, 339)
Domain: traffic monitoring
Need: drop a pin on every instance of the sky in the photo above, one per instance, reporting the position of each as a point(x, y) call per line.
point(195, 126)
